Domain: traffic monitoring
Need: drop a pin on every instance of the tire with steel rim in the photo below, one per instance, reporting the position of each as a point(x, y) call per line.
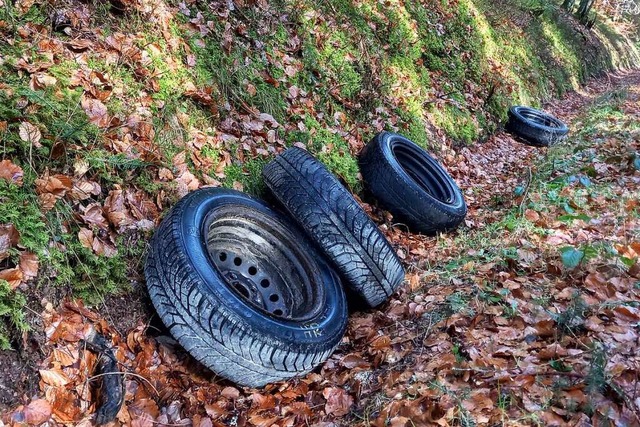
point(535, 127)
point(411, 184)
point(242, 290)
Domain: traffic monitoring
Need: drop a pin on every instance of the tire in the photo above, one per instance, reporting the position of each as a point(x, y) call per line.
point(242, 290)
point(535, 127)
point(333, 219)
point(411, 184)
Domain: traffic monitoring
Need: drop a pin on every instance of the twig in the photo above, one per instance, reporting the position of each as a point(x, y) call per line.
point(508, 371)
point(125, 374)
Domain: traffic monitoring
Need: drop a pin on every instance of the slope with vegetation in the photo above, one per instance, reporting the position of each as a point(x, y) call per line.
point(110, 111)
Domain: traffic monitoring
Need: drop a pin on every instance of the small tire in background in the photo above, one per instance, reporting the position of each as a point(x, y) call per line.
point(334, 220)
point(242, 289)
point(411, 184)
point(535, 127)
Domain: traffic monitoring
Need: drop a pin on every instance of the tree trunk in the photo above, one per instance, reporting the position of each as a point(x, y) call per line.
point(568, 4)
point(584, 9)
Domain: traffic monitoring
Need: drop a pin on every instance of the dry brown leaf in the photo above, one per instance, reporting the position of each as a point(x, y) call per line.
point(9, 237)
point(11, 172)
point(13, 276)
point(29, 265)
point(96, 111)
point(29, 133)
point(64, 357)
point(54, 377)
point(37, 412)
point(230, 393)
point(263, 420)
point(92, 215)
point(41, 81)
point(531, 215)
point(83, 190)
point(351, 361)
point(102, 247)
point(339, 402)
point(85, 236)
point(634, 270)
point(23, 6)
point(80, 167)
point(216, 410)
point(50, 188)
point(55, 184)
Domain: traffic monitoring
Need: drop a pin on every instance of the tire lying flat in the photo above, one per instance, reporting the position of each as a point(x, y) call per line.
point(242, 290)
point(336, 223)
point(411, 184)
point(535, 127)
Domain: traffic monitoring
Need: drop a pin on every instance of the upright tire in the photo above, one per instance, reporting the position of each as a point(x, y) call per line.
point(242, 290)
point(535, 127)
point(336, 223)
point(411, 184)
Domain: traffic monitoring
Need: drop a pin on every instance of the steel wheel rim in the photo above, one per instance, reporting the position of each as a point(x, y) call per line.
point(261, 260)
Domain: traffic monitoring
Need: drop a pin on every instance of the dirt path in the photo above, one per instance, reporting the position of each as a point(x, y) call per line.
point(489, 328)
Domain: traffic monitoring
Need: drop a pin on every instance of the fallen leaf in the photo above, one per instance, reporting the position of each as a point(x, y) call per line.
point(29, 133)
point(9, 237)
point(37, 412)
point(338, 401)
point(11, 172)
point(54, 377)
point(92, 215)
point(97, 112)
point(29, 265)
point(263, 420)
point(230, 393)
point(85, 236)
point(532, 215)
point(13, 276)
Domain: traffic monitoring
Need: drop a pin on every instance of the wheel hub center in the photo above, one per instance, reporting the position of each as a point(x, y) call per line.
point(245, 287)
point(253, 281)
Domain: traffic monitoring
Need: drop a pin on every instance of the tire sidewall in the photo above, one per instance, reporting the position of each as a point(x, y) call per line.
point(328, 322)
point(559, 131)
point(386, 141)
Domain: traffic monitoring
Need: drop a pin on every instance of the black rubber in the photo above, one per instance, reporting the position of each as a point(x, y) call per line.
point(336, 223)
point(411, 184)
point(216, 312)
point(111, 390)
point(535, 127)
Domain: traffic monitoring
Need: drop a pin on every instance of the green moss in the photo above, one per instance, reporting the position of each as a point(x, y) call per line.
point(457, 123)
point(332, 150)
point(56, 113)
point(335, 60)
point(78, 269)
point(11, 314)
point(231, 72)
point(20, 206)
point(249, 174)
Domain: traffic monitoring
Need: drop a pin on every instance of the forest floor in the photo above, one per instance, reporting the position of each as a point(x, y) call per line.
point(529, 314)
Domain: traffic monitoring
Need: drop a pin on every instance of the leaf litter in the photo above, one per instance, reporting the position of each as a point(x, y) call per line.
point(475, 336)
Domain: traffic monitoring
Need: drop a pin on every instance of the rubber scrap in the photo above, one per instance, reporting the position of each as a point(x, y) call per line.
point(111, 390)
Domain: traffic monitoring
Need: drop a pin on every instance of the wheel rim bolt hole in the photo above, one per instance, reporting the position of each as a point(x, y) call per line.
point(253, 270)
point(277, 312)
point(265, 283)
point(237, 261)
point(223, 256)
point(273, 298)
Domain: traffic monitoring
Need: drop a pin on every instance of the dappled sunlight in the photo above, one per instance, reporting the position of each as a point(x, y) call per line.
point(568, 60)
point(111, 112)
